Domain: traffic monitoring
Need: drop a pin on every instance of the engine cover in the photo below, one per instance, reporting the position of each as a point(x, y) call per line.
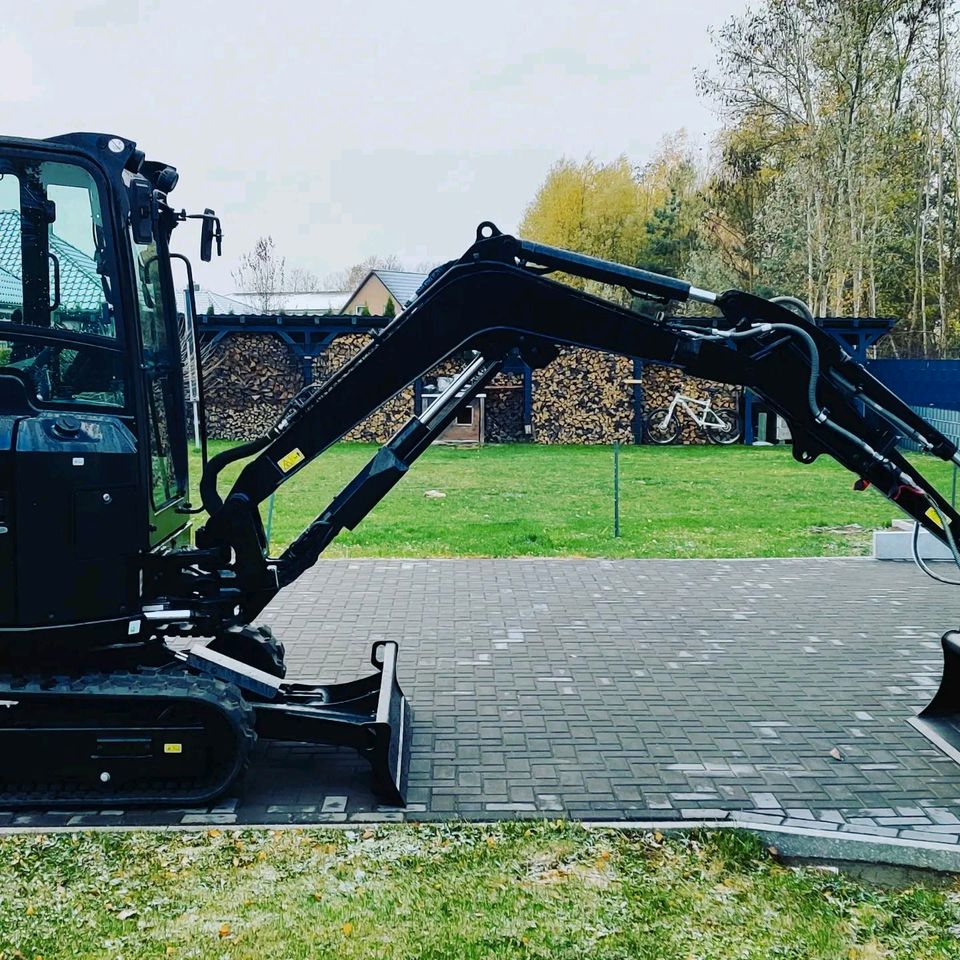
point(68, 520)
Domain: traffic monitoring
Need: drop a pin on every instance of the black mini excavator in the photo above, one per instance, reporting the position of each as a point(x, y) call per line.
point(131, 671)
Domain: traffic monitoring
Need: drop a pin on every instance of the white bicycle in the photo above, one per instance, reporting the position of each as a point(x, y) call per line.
point(720, 424)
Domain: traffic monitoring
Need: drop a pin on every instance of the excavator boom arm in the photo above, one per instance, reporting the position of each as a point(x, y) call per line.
point(497, 299)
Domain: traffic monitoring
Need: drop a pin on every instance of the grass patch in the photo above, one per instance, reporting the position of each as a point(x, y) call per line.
point(525, 500)
point(459, 891)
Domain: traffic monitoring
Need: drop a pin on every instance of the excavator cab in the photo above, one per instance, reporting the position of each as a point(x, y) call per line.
point(130, 666)
point(108, 701)
point(91, 400)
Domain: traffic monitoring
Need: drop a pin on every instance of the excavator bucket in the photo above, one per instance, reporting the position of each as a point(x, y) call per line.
point(371, 714)
point(939, 721)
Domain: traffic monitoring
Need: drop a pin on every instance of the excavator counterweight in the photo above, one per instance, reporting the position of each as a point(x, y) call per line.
point(129, 660)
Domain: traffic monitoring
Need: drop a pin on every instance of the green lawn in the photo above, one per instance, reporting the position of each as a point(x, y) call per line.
point(514, 890)
point(532, 500)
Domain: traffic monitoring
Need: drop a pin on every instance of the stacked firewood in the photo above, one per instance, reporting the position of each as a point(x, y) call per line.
point(248, 387)
point(581, 397)
point(382, 423)
point(661, 383)
point(503, 410)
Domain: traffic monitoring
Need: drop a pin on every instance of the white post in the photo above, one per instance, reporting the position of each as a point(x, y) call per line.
point(190, 359)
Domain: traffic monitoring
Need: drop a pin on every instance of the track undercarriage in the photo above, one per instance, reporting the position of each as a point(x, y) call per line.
point(182, 733)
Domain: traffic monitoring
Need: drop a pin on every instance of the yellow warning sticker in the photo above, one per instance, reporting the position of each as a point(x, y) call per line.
point(173, 748)
point(935, 517)
point(289, 461)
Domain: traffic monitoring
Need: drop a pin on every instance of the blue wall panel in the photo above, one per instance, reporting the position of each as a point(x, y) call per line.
point(921, 383)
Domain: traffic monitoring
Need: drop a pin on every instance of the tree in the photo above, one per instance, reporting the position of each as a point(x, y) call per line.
point(836, 180)
point(646, 216)
point(425, 266)
point(302, 280)
point(390, 310)
point(672, 181)
point(734, 195)
point(671, 238)
point(593, 208)
point(261, 273)
point(352, 277)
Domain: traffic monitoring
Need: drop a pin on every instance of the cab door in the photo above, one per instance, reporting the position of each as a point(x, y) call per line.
point(163, 389)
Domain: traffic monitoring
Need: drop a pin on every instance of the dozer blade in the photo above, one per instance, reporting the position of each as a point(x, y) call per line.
point(372, 715)
point(939, 721)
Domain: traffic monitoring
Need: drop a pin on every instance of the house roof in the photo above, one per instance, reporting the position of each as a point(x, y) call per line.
point(11, 290)
point(310, 301)
point(207, 298)
point(315, 301)
point(80, 287)
point(401, 285)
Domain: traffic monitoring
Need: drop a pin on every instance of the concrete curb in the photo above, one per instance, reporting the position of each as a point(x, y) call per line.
point(790, 842)
point(812, 844)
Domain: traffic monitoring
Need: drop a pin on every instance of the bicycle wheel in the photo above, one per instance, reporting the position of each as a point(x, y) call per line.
point(659, 428)
point(729, 432)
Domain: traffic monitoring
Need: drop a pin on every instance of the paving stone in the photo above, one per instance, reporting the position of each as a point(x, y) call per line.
point(615, 690)
point(705, 813)
point(872, 831)
point(807, 824)
point(942, 816)
point(927, 835)
point(211, 818)
point(752, 816)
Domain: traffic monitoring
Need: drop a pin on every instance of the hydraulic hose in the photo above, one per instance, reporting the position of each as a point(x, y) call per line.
point(209, 497)
point(951, 543)
point(818, 413)
point(821, 417)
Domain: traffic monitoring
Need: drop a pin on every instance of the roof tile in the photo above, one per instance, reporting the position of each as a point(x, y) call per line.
point(80, 287)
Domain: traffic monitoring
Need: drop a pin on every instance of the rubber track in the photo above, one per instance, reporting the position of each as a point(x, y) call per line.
point(56, 695)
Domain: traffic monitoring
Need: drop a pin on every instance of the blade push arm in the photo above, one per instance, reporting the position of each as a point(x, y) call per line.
point(497, 299)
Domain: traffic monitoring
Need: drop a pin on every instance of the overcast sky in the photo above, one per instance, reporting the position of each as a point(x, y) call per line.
point(350, 128)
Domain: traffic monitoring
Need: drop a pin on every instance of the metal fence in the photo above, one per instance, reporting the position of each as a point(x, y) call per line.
point(946, 421)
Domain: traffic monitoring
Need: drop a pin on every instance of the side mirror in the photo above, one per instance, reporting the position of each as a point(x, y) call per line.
point(209, 232)
point(141, 211)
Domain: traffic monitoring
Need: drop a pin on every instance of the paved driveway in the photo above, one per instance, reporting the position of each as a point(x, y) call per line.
point(622, 690)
